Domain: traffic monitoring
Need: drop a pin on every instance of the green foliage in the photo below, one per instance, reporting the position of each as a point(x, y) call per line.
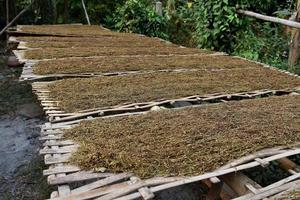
point(138, 17)
point(263, 42)
point(99, 11)
point(45, 11)
point(181, 24)
point(216, 24)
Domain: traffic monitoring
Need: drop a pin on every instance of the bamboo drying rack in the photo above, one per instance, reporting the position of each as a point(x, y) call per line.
point(102, 185)
point(74, 183)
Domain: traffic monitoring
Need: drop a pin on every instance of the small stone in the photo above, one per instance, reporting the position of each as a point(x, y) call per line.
point(100, 169)
point(12, 61)
point(157, 108)
point(30, 110)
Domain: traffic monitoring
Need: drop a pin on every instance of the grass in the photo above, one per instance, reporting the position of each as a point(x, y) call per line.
point(188, 141)
point(50, 53)
point(64, 42)
point(119, 64)
point(80, 94)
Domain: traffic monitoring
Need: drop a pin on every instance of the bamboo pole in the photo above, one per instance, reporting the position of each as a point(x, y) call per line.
point(85, 12)
point(270, 19)
point(12, 21)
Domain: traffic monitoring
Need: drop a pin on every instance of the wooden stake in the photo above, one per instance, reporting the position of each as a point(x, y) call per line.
point(239, 183)
point(294, 46)
point(216, 189)
point(158, 8)
point(288, 165)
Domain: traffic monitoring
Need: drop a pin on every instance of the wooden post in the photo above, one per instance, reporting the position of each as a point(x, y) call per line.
point(158, 8)
point(240, 183)
point(288, 165)
point(295, 38)
point(215, 190)
point(66, 11)
point(7, 12)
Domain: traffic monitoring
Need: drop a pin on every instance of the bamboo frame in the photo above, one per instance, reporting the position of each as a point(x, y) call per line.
point(104, 185)
point(74, 183)
point(57, 115)
point(28, 75)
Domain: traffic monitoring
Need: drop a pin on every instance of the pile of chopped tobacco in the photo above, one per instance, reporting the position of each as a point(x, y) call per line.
point(86, 93)
point(69, 30)
point(50, 53)
point(71, 42)
point(122, 64)
point(187, 141)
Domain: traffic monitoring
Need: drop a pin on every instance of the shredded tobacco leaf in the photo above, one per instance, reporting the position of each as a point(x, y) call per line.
point(51, 53)
point(71, 42)
point(188, 141)
point(80, 94)
point(122, 64)
point(69, 30)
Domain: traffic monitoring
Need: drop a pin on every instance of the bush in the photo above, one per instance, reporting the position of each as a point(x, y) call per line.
point(216, 24)
point(264, 43)
point(181, 24)
point(138, 17)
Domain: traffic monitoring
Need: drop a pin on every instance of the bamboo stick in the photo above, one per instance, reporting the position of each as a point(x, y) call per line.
point(17, 17)
point(85, 12)
point(270, 19)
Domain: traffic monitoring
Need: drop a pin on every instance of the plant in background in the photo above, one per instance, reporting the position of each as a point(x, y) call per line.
point(217, 22)
point(99, 11)
point(264, 42)
point(45, 11)
point(180, 23)
point(138, 17)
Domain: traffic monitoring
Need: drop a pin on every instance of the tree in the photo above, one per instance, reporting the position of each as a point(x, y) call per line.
point(45, 11)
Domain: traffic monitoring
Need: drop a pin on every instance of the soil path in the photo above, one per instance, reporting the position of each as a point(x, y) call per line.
point(20, 165)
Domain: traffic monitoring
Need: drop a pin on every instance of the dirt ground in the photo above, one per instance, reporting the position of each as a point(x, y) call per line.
point(20, 166)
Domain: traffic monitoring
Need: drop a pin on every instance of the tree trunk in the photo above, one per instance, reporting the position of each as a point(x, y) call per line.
point(294, 46)
point(66, 11)
point(7, 12)
point(46, 11)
